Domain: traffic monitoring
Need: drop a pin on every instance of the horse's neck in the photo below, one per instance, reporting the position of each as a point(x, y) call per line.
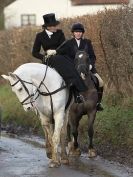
point(89, 82)
point(41, 74)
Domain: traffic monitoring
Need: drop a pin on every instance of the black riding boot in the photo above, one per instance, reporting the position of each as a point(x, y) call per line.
point(100, 94)
point(77, 97)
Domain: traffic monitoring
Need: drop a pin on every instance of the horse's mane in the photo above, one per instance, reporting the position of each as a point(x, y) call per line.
point(33, 66)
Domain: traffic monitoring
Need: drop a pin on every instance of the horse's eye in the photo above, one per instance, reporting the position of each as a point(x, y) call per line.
point(20, 89)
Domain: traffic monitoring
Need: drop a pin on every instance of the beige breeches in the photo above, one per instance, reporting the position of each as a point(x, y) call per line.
point(101, 84)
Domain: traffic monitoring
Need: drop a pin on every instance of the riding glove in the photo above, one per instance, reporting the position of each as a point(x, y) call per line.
point(51, 52)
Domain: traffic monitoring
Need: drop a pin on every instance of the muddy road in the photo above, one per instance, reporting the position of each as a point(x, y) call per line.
point(19, 158)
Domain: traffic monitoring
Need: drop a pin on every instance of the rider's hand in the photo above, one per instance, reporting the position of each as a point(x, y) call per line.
point(51, 52)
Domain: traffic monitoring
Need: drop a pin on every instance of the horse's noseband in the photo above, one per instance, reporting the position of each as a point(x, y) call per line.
point(30, 96)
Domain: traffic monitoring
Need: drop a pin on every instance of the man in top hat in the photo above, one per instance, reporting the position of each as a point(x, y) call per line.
point(49, 39)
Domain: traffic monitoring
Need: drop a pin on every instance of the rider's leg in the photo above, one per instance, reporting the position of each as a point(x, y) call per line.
point(100, 92)
point(72, 78)
point(77, 97)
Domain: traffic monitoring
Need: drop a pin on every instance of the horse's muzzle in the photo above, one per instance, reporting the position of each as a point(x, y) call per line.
point(28, 108)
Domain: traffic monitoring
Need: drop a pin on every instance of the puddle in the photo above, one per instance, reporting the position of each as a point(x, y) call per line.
point(25, 157)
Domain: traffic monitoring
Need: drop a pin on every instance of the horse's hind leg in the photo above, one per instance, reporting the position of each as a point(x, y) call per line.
point(91, 150)
point(73, 145)
point(68, 132)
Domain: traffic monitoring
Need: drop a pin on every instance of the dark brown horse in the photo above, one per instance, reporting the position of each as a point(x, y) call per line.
point(88, 107)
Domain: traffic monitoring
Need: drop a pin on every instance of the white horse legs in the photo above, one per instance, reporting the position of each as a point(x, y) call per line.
point(53, 137)
point(59, 120)
point(64, 141)
point(48, 131)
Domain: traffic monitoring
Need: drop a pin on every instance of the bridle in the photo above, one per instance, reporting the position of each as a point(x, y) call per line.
point(30, 96)
point(37, 92)
point(79, 63)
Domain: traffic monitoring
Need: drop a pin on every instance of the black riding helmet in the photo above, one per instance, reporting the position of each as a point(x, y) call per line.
point(77, 27)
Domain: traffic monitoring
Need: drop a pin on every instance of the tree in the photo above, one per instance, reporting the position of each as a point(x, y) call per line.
point(3, 4)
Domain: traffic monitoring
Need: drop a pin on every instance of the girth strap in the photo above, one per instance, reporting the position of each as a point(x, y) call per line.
point(48, 93)
point(51, 101)
point(51, 93)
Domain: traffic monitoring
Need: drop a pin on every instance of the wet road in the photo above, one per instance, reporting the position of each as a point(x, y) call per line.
point(22, 159)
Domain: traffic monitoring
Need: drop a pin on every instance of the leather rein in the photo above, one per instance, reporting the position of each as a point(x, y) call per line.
point(31, 98)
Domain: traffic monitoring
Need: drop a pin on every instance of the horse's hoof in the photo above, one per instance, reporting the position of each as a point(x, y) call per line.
point(53, 164)
point(75, 153)
point(92, 153)
point(49, 154)
point(65, 161)
point(70, 146)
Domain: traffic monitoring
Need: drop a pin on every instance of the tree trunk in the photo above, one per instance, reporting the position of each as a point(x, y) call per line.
point(2, 26)
point(3, 4)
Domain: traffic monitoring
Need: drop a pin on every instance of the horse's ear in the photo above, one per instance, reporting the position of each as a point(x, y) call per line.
point(5, 77)
point(13, 76)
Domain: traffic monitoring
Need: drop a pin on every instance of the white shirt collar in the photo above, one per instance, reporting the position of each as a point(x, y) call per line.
point(49, 33)
point(78, 42)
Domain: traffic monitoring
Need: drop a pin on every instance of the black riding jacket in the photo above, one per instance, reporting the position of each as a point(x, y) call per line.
point(42, 40)
point(70, 48)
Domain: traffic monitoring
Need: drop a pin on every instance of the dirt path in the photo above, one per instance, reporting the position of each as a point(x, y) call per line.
point(22, 159)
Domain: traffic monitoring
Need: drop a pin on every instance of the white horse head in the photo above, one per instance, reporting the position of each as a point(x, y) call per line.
point(35, 86)
point(22, 88)
point(26, 82)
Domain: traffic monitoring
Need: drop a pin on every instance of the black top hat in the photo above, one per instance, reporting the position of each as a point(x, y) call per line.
point(49, 20)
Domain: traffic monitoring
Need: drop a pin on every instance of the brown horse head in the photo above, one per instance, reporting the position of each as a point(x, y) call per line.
point(82, 63)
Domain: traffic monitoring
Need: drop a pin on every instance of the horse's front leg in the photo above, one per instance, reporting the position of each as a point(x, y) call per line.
point(64, 140)
point(91, 150)
point(73, 145)
point(59, 119)
point(48, 131)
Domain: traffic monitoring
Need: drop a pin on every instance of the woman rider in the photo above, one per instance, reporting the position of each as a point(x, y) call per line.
point(78, 42)
point(50, 40)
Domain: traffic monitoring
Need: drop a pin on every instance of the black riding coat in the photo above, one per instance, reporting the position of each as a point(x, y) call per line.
point(70, 48)
point(42, 40)
point(61, 63)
